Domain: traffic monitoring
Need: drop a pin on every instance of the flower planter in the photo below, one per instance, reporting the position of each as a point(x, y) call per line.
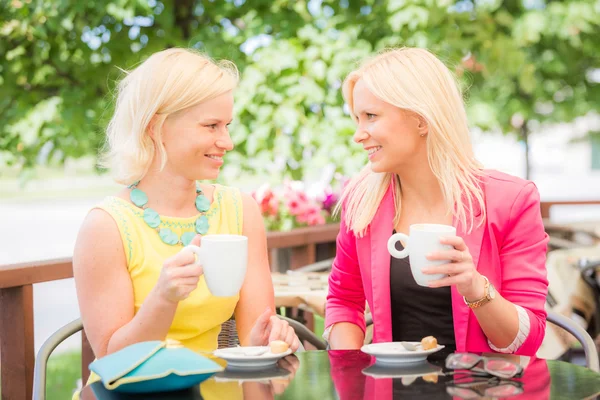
point(301, 246)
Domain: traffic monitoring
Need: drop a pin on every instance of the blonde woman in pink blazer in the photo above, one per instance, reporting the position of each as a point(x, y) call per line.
point(412, 123)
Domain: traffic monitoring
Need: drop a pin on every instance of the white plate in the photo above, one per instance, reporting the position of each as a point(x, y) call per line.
point(236, 359)
point(262, 375)
point(394, 353)
point(412, 370)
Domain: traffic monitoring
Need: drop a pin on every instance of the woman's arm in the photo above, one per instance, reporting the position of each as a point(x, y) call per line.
point(256, 294)
point(515, 320)
point(498, 319)
point(346, 336)
point(105, 292)
point(346, 298)
point(523, 261)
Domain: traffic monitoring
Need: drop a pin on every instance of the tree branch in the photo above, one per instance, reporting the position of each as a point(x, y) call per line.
point(184, 16)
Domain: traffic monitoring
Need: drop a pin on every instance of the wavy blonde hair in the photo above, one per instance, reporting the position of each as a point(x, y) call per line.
point(165, 83)
point(415, 80)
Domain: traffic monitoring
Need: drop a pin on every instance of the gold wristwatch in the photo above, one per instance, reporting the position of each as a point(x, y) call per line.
point(489, 295)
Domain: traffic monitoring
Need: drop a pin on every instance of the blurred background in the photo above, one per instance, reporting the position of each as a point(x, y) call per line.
point(530, 70)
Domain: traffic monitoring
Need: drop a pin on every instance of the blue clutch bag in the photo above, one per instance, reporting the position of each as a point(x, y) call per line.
point(153, 367)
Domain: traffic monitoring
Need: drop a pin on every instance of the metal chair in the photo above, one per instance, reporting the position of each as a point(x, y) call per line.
point(305, 334)
point(589, 347)
point(41, 361)
point(228, 338)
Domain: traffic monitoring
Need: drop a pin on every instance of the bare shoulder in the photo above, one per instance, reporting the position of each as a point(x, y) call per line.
point(100, 224)
point(98, 240)
point(251, 209)
point(250, 205)
point(253, 221)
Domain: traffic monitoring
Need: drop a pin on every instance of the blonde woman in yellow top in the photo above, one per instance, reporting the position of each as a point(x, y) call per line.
point(134, 282)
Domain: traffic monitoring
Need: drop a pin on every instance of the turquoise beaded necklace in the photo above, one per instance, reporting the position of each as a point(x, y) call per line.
point(152, 218)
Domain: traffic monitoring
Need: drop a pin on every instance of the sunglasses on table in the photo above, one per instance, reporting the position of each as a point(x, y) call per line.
point(477, 388)
point(467, 363)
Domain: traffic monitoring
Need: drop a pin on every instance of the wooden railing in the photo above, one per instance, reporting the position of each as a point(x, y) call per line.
point(306, 246)
point(565, 236)
point(547, 205)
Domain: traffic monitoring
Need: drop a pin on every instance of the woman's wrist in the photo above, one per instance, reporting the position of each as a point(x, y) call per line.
point(161, 302)
point(477, 290)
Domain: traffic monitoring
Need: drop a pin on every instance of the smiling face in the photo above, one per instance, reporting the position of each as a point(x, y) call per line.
point(394, 138)
point(197, 138)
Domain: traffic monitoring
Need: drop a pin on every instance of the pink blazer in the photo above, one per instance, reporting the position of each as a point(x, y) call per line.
point(509, 248)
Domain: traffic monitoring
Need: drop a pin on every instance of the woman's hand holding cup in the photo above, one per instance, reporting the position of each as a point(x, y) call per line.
point(459, 269)
point(180, 275)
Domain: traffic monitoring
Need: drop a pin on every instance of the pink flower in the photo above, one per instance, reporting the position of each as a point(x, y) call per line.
point(301, 196)
point(261, 192)
point(302, 218)
point(266, 199)
point(312, 216)
point(273, 206)
point(330, 201)
point(315, 219)
point(296, 206)
point(291, 203)
point(296, 201)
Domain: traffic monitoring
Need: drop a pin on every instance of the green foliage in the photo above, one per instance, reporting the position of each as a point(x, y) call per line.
point(64, 370)
point(290, 103)
point(523, 63)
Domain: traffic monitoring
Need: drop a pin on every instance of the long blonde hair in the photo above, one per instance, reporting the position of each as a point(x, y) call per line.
point(414, 79)
point(167, 82)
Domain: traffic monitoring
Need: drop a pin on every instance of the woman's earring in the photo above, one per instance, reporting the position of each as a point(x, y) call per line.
point(422, 134)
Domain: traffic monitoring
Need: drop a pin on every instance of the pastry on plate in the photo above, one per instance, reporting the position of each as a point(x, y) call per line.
point(279, 346)
point(429, 343)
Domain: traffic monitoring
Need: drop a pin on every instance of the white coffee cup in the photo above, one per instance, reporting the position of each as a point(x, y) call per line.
point(422, 240)
point(224, 259)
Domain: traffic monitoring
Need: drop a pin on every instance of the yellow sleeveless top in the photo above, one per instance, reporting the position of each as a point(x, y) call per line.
point(198, 319)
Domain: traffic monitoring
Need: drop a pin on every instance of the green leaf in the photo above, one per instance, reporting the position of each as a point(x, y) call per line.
point(529, 29)
point(527, 79)
point(412, 17)
point(14, 53)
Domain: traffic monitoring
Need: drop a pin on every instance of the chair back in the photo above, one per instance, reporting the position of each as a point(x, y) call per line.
point(41, 361)
point(589, 347)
